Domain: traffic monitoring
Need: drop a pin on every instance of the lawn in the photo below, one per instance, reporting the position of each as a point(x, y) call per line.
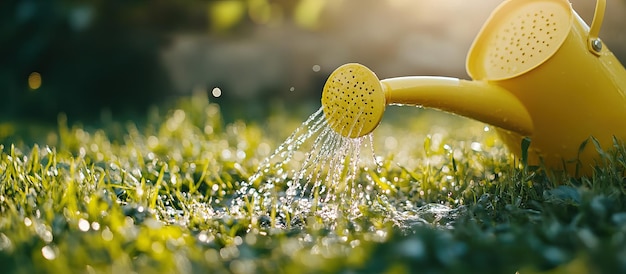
point(158, 196)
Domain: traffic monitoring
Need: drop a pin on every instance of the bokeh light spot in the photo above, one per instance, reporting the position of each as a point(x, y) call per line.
point(48, 253)
point(217, 92)
point(83, 225)
point(34, 80)
point(225, 14)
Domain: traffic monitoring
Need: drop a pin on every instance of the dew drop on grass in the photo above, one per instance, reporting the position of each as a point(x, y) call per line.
point(44, 233)
point(107, 235)
point(83, 225)
point(27, 221)
point(95, 226)
point(5, 243)
point(157, 247)
point(48, 253)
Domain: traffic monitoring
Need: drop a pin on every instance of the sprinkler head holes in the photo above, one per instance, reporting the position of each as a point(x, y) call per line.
point(353, 100)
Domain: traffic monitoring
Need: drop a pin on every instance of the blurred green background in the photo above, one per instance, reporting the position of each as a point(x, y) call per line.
point(116, 58)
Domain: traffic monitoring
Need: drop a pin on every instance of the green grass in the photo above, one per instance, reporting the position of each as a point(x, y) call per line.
point(154, 199)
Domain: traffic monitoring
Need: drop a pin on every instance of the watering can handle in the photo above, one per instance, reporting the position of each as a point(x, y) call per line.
point(593, 42)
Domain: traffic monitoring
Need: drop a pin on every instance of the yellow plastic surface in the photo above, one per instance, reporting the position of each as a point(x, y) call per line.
point(596, 24)
point(573, 96)
point(518, 37)
point(552, 87)
point(476, 99)
point(353, 100)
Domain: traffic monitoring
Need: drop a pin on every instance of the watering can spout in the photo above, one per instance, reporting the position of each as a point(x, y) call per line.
point(478, 100)
point(538, 71)
point(354, 100)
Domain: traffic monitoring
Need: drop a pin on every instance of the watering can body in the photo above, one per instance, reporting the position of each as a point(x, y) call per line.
point(578, 92)
point(538, 71)
point(573, 96)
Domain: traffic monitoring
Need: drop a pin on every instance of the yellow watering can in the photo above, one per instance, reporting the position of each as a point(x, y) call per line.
point(539, 71)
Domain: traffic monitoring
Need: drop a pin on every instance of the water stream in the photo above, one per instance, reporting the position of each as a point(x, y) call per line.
point(326, 176)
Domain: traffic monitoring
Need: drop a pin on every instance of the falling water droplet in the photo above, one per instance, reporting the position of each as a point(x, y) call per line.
point(216, 92)
point(318, 172)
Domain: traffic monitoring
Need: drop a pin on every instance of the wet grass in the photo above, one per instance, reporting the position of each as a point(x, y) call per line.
point(154, 199)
